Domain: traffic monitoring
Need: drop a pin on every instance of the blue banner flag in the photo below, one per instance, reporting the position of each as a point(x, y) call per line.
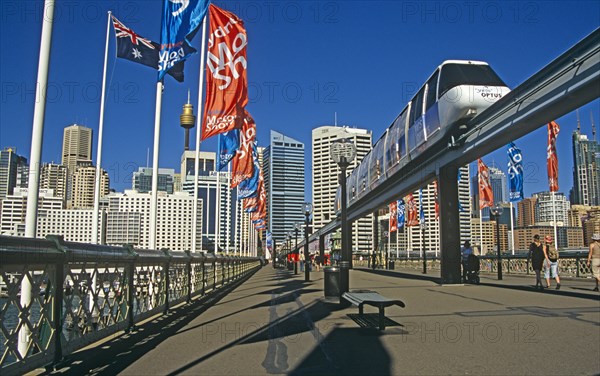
point(136, 48)
point(229, 143)
point(515, 172)
point(421, 209)
point(249, 187)
point(180, 22)
point(401, 210)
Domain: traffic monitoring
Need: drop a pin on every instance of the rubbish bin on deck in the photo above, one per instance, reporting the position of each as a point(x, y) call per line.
point(392, 264)
point(332, 281)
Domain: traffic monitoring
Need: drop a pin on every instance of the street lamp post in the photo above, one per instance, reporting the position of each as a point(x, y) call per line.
point(423, 229)
point(343, 153)
point(307, 211)
point(497, 212)
point(296, 250)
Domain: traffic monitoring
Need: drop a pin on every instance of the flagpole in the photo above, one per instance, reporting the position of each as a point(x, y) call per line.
point(199, 121)
point(155, 153)
point(95, 228)
point(35, 157)
point(554, 220)
point(218, 210)
point(512, 229)
point(481, 230)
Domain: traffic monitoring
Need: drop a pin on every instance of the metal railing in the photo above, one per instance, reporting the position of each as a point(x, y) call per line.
point(573, 265)
point(57, 297)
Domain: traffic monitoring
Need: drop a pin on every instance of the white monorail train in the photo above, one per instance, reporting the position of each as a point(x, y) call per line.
point(455, 93)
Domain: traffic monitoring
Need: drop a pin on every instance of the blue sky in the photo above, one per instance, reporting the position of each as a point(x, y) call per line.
point(307, 60)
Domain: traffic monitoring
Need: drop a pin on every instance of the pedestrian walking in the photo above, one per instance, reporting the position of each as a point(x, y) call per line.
point(551, 256)
point(536, 255)
point(302, 261)
point(593, 260)
point(465, 252)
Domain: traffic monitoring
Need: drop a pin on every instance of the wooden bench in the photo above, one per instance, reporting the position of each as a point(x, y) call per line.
point(361, 297)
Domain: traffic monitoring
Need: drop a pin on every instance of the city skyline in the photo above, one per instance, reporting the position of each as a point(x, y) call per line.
point(311, 83)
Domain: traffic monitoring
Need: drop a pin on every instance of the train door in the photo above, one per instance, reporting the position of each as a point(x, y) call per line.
point(416, 127)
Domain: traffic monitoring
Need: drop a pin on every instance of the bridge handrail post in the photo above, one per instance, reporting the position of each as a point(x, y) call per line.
point(167, 266)
point(58, 295)
point(188, 271)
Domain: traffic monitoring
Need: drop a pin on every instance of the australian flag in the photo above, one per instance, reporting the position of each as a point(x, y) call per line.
point(134, 47)
point(180, 22)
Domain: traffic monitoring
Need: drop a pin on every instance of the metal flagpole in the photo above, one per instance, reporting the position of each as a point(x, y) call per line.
point(154, 198)
point(512, 229)
point(95, 228)
point(554, 220)
point(199, 121)
point(218, 212)
point(35, 157)
point(481, 231)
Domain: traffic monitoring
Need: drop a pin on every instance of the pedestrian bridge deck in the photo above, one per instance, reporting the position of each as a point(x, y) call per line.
point(275, 323)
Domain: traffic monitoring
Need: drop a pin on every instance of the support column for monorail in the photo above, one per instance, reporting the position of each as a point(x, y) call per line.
point(449, 225)
point(374, 241)
point(322, 248)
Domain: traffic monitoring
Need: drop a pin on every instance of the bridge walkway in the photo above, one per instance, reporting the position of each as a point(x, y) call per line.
point(275, 323)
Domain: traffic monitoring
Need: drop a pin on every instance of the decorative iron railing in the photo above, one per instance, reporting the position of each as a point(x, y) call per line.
point(57, 297)
point(574, 265)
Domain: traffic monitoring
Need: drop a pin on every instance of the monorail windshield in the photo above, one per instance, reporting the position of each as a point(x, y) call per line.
point(472, 74)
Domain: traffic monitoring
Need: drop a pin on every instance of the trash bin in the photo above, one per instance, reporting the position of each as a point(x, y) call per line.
point(290, 265)
point(332, 282)
point(392, 263)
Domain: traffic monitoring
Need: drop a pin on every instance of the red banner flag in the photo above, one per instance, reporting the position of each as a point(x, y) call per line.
point(226, 82)
point(242, 164)
point(486, 196)
point(394, 216)
point(435, 199)
point(552, 157)
point(412, 218)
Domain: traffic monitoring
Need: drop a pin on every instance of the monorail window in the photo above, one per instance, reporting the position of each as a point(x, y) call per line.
point(431, 90)
point(416, 109)
point(467, 74)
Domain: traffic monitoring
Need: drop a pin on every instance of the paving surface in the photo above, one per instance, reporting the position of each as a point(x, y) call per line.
point(275, 323)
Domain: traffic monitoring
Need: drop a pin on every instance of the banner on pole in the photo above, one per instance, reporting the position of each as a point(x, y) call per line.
point(515, 172)
point(552, 157)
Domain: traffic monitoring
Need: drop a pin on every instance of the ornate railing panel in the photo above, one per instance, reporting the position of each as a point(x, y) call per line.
point(57, 297)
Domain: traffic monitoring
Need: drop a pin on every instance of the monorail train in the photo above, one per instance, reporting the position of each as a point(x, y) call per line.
point(455, 93)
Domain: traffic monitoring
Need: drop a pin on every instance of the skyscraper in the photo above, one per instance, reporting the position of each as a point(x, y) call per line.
point(325, 177)
point(219, 214)
point(142, 180)
point(546, 208)
point(77, 146)
point(83, 183)
point(586, 170)
point(283, 169)
point(54, 176)
point(10, 162)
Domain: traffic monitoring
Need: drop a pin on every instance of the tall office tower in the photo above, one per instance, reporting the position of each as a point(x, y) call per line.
point(83, 186)
point(586, 170)
point(526, 212)
point(213, 189)
point(77, 147)
point(142, 180)
point(54, 176)
point(325, 177)
point(283, 169)
point(13, 210)
point(499, 185)
point(546, 208)
point(174, 220)
point(10, 163)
